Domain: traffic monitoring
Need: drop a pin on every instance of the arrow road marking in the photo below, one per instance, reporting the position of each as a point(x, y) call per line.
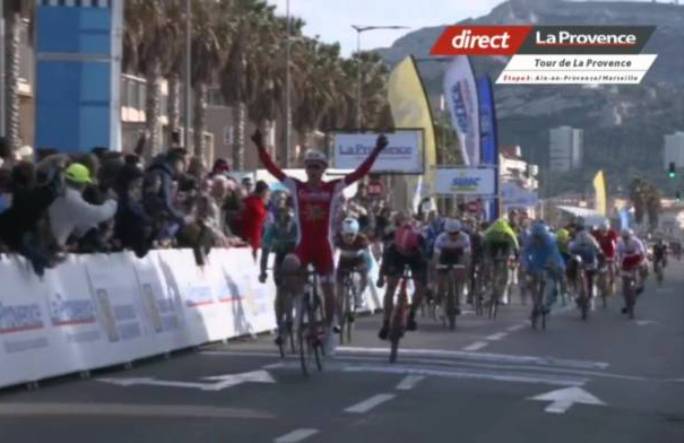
point(563, 399)
point(221, 381)
point(296, 435)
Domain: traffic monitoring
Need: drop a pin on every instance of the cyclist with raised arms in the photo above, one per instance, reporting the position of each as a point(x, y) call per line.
point(314, 201)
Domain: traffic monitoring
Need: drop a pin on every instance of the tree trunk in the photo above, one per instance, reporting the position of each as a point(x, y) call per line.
point(174, 104)
point(239, 127)
point(199, 122)
point(153, 107)
point(12, 69)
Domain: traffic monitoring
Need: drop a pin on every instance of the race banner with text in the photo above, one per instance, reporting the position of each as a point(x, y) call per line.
point(556, 54)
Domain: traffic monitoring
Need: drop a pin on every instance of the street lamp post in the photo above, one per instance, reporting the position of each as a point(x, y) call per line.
point(288, 105)
point(359, 30)
point(188, 65)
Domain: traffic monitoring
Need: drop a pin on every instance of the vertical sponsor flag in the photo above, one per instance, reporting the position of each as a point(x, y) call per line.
point(489, 138)
point(411, 109)
point(461, 95)
point(600, 190)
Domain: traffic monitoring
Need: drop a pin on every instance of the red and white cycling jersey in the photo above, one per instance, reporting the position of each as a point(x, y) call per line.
point(315, 208)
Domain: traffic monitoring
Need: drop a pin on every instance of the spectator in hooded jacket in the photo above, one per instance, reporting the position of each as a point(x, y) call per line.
point(254, 216)
point(70, 214)
point(133, 228)
point(158, 192)
point(19, 225)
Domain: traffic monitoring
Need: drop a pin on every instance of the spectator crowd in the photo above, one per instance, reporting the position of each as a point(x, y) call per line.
point(106, 201)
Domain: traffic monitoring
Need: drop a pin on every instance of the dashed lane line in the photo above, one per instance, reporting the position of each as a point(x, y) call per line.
point(409, 382)
point(296, 436)
point(475, 346)
point(497, 336)
point(370, 403)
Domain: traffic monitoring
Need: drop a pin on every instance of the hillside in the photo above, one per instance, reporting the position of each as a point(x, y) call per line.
point(623, 126)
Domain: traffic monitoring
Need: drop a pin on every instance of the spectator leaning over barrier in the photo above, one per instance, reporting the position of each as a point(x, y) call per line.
point(70, 214)
point(254, 216)
point(5, 195)
point(133, 228)
point(20, 224)
point(158, 192)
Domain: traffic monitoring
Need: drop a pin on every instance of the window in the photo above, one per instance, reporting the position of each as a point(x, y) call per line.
point(228, 135)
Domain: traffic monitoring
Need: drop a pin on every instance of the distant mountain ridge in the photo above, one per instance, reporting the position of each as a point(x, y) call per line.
point(623, 126)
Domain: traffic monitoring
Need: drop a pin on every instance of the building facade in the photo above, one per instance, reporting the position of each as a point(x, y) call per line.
point(565, 148)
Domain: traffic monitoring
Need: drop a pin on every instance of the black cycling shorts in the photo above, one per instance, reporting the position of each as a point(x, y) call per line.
point(397, 262)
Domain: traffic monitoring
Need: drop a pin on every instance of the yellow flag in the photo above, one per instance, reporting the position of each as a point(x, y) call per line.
point(600, 190)
point(411, 109)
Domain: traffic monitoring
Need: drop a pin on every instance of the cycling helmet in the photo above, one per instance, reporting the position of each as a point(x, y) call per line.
point(603, 227)
point(540, 229)
point(563, 236)
point(350, 226)
point(315, 156)
point(452, 226)
point(627, 232)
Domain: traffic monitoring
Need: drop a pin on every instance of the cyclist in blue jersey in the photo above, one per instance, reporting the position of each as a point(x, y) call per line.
point(540, 255)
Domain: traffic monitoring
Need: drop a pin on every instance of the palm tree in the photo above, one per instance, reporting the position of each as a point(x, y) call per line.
point(14, 13)
point(211, 34)
point(247, 16)
point(150, 25)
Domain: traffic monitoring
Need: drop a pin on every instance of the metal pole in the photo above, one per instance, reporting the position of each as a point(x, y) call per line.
point(358, 79)
point(188, 63)
point(288, 104)
point(2, 71)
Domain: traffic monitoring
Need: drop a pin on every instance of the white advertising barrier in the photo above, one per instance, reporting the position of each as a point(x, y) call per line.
point(99, 310)
point(404, 154)
point(465, 181)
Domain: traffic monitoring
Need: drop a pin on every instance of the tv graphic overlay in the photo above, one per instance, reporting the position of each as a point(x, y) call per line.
point(560, 55)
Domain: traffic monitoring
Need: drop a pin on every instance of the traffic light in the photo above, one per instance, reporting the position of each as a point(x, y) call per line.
point(672, 170)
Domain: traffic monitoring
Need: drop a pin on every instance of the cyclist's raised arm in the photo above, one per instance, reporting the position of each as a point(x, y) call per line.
point(365, 167)
point(266, 159)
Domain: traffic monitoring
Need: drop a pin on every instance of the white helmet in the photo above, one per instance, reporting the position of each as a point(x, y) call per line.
point(452, 226)
point(350, 226)
point(603, 227)
point(627, 232)
point(315, 156)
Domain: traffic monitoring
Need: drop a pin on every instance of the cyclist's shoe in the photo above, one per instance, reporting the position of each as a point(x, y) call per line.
point(639, 290)
point(330, 343)
point(457, 310)
point(384, 331)
point(546, 310)
point(351, 317)
point(336, 329)
point(624, 310)
point(411, 324)
point(279, 341)
point(381, 282)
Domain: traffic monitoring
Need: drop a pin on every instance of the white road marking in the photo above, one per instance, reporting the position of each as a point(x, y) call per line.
point(644, 322)
point(296, 435)
point(515, 328)
point(497, 336)
point(480, 356)
point(476, 346)
point(221, 382)
point(370, 403)
point(409, 382)
point(126, 410)
point(549, 379)
point(563, 399)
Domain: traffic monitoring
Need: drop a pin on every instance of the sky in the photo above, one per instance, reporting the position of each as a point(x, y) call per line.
point(332, 19)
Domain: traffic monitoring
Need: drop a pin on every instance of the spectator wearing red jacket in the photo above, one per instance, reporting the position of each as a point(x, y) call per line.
point(254, 215)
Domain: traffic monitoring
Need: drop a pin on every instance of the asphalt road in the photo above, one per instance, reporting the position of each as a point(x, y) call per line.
point(605, 380)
